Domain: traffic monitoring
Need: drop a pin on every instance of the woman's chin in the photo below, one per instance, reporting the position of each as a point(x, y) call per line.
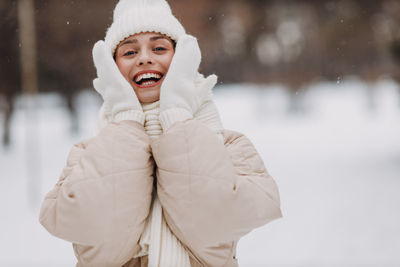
point(149, 97)
point(148, 101)
point(148, 94)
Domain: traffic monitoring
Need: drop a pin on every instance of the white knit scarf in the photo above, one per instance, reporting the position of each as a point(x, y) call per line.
point(157, 241)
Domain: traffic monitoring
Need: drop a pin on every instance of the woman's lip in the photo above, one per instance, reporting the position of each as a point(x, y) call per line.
point(149, 85)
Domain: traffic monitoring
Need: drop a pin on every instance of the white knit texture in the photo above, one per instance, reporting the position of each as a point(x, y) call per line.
point(124, 5)
point(134, 115)
point(136, 16)
point(172, 115)
point(152, 124)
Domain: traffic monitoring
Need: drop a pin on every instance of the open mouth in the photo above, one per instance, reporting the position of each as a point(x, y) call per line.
point(147, 78)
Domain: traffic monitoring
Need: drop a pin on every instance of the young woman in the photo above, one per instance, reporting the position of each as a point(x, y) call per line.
point(162, 183)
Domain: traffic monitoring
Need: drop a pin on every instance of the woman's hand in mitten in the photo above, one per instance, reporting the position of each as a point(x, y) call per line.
point(120, 100)
point(207, 112)
point(179, 97)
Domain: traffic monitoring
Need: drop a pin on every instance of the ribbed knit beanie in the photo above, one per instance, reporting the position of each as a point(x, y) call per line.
point(136, 16)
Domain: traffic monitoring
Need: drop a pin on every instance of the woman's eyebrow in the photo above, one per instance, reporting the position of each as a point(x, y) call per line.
point(154, 38)
point(129, 41)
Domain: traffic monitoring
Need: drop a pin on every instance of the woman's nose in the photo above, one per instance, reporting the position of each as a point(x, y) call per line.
point(144, 58)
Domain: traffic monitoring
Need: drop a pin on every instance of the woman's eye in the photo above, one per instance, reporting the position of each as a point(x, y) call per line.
point(159, 49)
point(129, 53)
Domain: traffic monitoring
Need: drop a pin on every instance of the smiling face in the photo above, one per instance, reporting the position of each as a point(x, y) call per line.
point(144, 59)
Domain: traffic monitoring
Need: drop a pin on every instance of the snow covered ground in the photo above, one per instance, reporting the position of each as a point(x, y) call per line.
point(337, 164)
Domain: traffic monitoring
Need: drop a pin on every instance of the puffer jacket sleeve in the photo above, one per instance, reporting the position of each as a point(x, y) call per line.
point(212, 193)
point(103, 197)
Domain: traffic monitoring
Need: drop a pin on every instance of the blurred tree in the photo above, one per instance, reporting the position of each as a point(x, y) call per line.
point(68, 30)
point(9, 63)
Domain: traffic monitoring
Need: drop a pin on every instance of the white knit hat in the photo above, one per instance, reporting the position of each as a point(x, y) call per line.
point(136, 16)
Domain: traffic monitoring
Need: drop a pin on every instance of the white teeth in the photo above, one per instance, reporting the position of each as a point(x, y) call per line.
point(147, 76)
point(147, 83)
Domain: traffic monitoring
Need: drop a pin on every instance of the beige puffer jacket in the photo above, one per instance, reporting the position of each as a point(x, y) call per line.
point(212, 194)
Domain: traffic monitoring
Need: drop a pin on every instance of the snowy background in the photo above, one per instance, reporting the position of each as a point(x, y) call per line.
point(336, 161)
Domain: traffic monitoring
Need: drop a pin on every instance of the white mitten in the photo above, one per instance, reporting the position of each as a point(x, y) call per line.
point(179, 97)
point(120, 100)
point(207, 112)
